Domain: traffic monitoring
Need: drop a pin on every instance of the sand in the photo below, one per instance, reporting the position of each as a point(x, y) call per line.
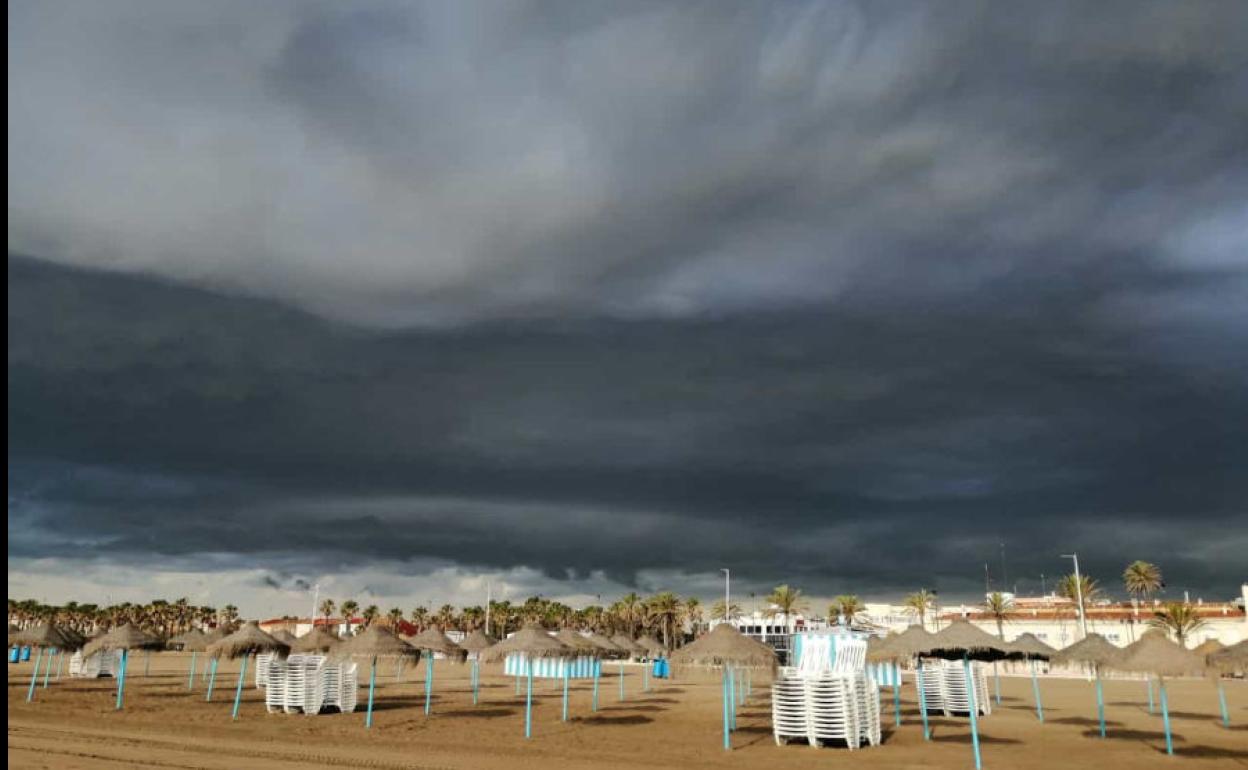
point(72, 724)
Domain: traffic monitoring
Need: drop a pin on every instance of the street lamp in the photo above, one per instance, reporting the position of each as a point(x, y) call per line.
point(727, 594)
point(1083, 620)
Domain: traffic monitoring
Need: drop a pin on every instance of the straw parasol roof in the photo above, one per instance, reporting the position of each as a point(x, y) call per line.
point(609, 648)
point(316, 640)
point(880, 648)
point(13, 631)
point(961, 638)
point(191, 641)
point(627, 643)
point(579, 644)
point(73, 637)
point(1029, 646)
point(724, 645)
point(530, 641)
point(245, 641)
point(434, 640)
point(1208, 647)
point(42, 635)
point(376, 641)
point(127, 637)
point(282, 635)
point(1233, 658)
point(477, 641)
point(651, 645)
point(216, 634)
point(1160, 656)
point(1093, 648)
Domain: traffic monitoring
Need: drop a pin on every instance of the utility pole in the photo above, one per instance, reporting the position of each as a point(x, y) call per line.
point(316, 599)
point(987, 581)
point(727, 594)
point(487, 607)
point(1005, 578)
point(1083, 621)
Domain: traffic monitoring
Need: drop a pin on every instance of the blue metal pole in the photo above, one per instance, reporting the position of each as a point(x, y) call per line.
point(732, 698)
point(1100, 702)
point(212, 678)
point(996, 676)
point(428, 680)
point(476, 680)
point(190, 684)
point(597, 675)
point(121, 682)
point(1035, 689)
point(897, 693)
point(238, 691)
point(918, 678)
point(147, 664)
point(517, 684)
point(724, 691)
point(1148, 682)
point(528, 705)
point(645, 677)
point(621, 681)
point(372, 688)
point(1226, 717)
point(565, 693)
point(34, 678)
point(970, 694)
point(47, 669)
point(1165, 715)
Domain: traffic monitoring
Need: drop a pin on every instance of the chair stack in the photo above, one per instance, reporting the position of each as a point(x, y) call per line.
point(307, 683)
point(337, 687)
point(105, 663)
point(825, 708)
point(934, 688)
point(263, 661)
point(277, 677)
point(869, 711)
point(788, 708)
point(832, 711)
point(954, 695)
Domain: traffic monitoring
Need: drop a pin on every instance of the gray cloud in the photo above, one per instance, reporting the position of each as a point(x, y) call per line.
point(826, 291)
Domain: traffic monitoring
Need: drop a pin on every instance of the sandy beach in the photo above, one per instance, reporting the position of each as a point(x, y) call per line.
point(72, 724)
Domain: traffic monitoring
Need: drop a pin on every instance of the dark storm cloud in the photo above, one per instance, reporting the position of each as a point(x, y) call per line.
point(824, 291)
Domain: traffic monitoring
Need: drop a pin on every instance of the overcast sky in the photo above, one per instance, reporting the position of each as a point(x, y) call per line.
point(585, 297)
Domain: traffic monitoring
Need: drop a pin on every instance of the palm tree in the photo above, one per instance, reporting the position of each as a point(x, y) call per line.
point(349, 608)
point(664, 611)
point(1001, 608)
point(1071, 588)
point(693, 612)
point(228, 615)
point(786, 601)
point(445, 617)
point(847, 606)
point(919, 603)
point(419, 617)
point(371, 612)
point(718, 613)
point(1142, 580)
point(1178, 618)
point(393, 617)
point(631, 611)
point(327, 610)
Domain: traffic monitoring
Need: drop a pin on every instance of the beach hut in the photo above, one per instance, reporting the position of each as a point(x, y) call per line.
point(124, 638)
point(1158, 656)
point(375, 642)
point(1030, 648)
point(41, 638)
point(1096, 651)
point(727, 648)
point(243, 643)
point(530, 644)
point(194, 642)
point(472, 646)
point(432, 641)
point(1227, 661)
point(962, 640)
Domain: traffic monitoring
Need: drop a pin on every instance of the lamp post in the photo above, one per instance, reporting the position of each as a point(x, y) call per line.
point(1083, 620)
point(727, 596)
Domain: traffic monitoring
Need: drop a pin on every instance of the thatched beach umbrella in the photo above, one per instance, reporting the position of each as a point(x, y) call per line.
point(1030, 648)
point(215, 635)
point(375, 642)
point(1208, 647)
point(1226, 661)
point(628, 644)
point(316, 640)
point(961, 639)
point(74, 640)
point(1096, 651)
point(582, 647)
point(41, 637)
point(1161, 657)
point(124, 638)
point(727, 647)
point(194, 642)
point(243, 643)
point(431, 641)
point(903, 646)
point(473, 644)
point(284, 636)
point(533, 643)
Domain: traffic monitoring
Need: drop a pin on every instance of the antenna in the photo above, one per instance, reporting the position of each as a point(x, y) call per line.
point(987, 582)
point(1005, 578)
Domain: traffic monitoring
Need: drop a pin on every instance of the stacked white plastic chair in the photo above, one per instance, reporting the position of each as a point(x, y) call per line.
point(788, 707)
point(263, 661)
point(276, 681)
point(832, 710)
point(338, 687)
point(954, 692)
point(868, 693)
point(933, 674)
point(105, 663)
point(827, 697)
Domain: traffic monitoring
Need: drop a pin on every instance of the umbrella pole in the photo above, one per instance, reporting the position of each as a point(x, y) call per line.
point(528, 705)
point(517, 684)
point(1165, 714)
point(1035, 689)
point(1148, 682)
point(398, 670)
point(238, 691)
point(970, 693)
point(645, 677)
point(34, 678)
point(597, 674)
point(60, 664)
point(723, 686)
point(190, 683)
point(428, 681)
point(565, 693)
point(47, 670)
point(147, 664)
point(732, 697)
point(476, 679)
point(372, 688)
point(212, 677)
point(1226, 717)
point(1100, 701)
point(918, 680)
point(121, 682)
point(897, 694)
point(996, 677)
point(621, 681)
